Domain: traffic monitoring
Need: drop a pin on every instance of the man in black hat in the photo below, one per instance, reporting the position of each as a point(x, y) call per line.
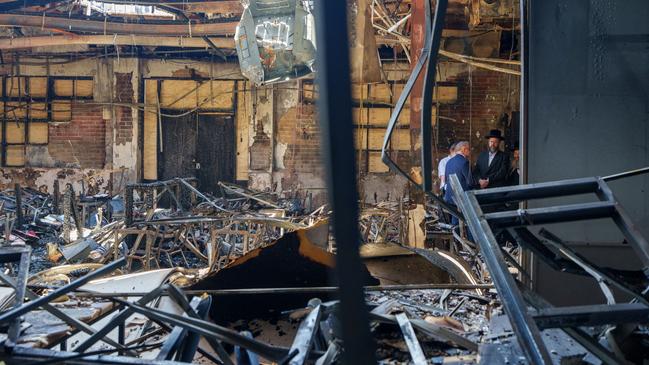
point(491, 169)
point(513, 176)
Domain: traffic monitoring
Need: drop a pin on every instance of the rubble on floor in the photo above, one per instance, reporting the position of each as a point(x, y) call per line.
point(169, 273)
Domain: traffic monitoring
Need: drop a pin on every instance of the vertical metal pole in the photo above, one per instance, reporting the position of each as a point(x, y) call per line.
point(334, 113)
point(427, 99)
point(527, 257)
point(524, 85)
point(19, 204)
point(55, 197)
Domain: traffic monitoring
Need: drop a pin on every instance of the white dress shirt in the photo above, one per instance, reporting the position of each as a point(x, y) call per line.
point(491, 156)
point(441, 169)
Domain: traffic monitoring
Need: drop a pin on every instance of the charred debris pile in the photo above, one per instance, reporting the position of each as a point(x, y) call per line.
point(165, 273)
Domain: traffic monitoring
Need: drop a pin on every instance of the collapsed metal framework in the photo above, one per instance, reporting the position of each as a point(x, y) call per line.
point(485, 227)
point(157, 243)
point(185, 329)
point(316, 338)
point(176, 190)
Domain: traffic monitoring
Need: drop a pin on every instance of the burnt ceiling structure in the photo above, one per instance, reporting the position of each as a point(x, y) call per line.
point(77, 29)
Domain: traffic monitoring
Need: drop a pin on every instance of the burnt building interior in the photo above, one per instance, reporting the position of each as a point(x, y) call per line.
point(324, 182)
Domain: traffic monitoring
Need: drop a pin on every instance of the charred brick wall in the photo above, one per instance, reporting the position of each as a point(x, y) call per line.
point(484, 97)
point(123, 114)
point(81, 142)
point(298, 130)
point(297, 164)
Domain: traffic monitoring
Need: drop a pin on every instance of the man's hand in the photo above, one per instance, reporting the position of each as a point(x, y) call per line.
point(483, 183)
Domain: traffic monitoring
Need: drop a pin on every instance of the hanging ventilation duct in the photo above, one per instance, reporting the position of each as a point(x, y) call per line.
point(275, 40)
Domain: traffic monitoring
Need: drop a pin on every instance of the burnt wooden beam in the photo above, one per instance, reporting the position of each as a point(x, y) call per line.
point(233, 7)
point(216, 7)
point(160, 28)
point(120, 40)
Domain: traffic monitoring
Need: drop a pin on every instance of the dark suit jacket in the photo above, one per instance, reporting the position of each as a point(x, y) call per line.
point(459, 166)
point(497, 172)
point(513, 176)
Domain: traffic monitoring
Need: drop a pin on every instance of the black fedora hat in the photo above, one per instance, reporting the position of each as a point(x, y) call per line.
point(495, 133)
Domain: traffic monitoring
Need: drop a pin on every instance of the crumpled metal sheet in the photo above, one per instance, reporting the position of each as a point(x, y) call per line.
point(294, 260)
point(275, 40)
point(395, 264)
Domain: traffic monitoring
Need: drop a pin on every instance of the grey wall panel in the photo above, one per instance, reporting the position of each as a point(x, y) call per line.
point(589, 115)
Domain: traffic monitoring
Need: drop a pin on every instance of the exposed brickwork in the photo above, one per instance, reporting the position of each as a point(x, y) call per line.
point(299, 130)
point(124, 87)
point(297, 143)
point(123, 114)
point(82, 141)
point(482, 99)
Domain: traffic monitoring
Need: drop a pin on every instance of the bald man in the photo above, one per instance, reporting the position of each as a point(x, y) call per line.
point(459, 166)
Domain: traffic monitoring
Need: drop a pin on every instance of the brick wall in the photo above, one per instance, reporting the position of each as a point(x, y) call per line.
point(82, 141)
point(297, 145)
point(299, 130)
point(123, 114)
point(483, 97)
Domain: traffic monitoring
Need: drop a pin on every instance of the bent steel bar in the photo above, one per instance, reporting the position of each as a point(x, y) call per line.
point(175, 338)
point(71, 321)
point(593, 270)
point(13, 313)
point(181, 300)
point(118, 319)
point(427, 96)
point(35, 355)
point(523, 324)
point(528, 240)
point(208, 329)
point(425, 55)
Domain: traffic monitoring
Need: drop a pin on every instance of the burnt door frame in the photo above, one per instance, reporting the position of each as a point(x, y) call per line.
point(163, 153)
point(200, 119)
point(227, 173)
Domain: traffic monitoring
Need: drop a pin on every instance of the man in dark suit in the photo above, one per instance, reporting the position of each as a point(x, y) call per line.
point(458, 165)
point(491, 169)
point(513, 177)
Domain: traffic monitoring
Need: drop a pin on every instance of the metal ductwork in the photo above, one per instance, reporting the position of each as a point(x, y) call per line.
point(275, 40)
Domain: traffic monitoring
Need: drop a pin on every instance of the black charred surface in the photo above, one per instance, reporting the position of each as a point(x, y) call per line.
point(280, 265)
